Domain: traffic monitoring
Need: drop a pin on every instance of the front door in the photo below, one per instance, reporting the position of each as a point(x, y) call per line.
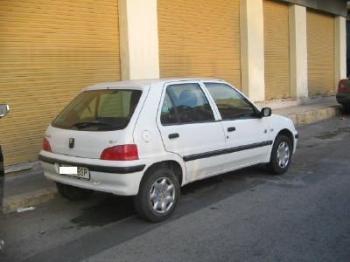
point(189, 128)
point(246, 133)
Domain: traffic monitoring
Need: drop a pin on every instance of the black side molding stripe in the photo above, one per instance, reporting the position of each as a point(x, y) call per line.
point(96, 168)
point(226, 151)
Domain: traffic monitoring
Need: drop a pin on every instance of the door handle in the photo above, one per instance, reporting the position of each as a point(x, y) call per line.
point(231, 129)
point(173, 136)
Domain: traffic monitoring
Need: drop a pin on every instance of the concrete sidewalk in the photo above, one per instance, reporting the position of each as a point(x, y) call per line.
point(311, 111)
point(30, 188)
point(26, 189)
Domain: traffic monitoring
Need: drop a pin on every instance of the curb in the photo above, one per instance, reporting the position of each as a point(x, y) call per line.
point(11, 204)
point(314, 116)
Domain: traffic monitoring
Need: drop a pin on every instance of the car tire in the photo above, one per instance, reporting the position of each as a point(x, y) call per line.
point(281, 155)
point(73, 193)
point(158, 194)
point(346, 108)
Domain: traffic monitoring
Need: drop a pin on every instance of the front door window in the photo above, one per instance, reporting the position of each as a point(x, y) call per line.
point(231, 104)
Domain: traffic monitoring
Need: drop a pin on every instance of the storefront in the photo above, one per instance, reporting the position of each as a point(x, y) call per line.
point(49, 51)
point(271, 50)
point(200, 38)
point(276, 40)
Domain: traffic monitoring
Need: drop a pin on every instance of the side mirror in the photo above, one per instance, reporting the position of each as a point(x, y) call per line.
point(4, 109)
point(266, 112)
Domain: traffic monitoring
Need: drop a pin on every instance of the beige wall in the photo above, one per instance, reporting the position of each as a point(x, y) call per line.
point(298, 51)
point(139, 39)
point(252, 49)
point(340, 49)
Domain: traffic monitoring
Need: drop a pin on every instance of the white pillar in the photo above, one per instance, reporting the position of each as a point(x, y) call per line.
point(298, 51)
point(340, 49)
point(252, 49)
point(139, 51)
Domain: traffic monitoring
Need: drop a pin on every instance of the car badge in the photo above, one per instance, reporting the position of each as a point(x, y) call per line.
point(71, 142)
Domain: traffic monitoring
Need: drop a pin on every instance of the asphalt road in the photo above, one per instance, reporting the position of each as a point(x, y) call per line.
point(247, 215)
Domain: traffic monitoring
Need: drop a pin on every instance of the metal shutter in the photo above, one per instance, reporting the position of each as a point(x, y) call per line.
point(320, 41)
point(49, 51)
point(276, 40)
point(200, 38)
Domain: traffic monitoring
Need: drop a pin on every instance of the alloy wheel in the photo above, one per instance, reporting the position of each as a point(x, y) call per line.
point(283, 154)
point(162, 195)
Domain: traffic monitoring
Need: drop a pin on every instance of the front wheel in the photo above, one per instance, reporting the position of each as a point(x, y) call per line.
point(158, 195)
point(281, 155)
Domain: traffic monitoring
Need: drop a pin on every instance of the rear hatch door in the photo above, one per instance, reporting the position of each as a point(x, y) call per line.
point(93, 121)
point(85, 144)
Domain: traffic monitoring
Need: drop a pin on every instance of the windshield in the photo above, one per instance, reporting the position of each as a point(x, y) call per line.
point(99, 110)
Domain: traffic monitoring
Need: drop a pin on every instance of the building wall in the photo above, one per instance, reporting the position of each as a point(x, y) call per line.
point(321, 49)
point(276, 39)
point(348, 47)
point(200, 38)
point(52, 49)
point(49, 51)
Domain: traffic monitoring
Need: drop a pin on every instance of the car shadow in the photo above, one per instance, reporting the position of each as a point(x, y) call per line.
point(110, 209)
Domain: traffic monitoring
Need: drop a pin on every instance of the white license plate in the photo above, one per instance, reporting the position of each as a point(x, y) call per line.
point(73, 171)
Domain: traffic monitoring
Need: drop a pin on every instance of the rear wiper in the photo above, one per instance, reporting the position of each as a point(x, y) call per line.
point(90, 123)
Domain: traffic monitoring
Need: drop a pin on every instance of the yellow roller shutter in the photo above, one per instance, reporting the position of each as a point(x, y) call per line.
point(276, 35)
point(200, 38)
point(49, 51)
point(320, 41)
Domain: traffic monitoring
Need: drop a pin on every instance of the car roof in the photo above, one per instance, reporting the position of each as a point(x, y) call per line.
point(140, 84)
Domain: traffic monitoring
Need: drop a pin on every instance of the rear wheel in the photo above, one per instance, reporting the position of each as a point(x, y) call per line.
point(73, 193)
point(281, 155)
point(158, 195)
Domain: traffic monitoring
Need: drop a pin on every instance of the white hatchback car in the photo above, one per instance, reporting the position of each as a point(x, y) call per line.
point(148, 138)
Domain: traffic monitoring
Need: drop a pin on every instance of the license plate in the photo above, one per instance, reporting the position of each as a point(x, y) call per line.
point(73, 171)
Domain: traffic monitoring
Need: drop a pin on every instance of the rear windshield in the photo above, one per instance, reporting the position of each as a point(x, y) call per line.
point(99, 110)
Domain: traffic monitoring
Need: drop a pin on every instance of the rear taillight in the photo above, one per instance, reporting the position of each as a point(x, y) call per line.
point(121, 153)
point(343, 86)
point(46, 145)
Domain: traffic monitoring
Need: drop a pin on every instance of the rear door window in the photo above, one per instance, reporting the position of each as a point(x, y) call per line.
point(186, 103)
point(169, 114)
point(99, 110)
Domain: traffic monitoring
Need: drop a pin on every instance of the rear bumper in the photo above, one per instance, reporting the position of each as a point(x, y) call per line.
point(343, 98)
point(93, 167)
point(119, 180)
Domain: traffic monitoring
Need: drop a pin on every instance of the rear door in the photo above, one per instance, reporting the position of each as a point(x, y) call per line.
point(189, 128)
point(246, 133)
